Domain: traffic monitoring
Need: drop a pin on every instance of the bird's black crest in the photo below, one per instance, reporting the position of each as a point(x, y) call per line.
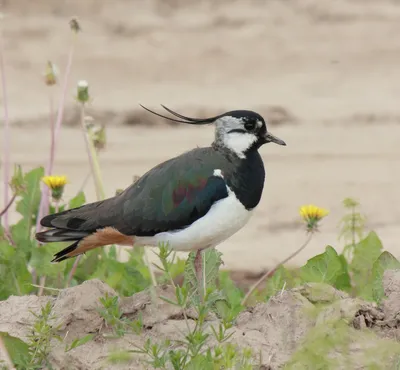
point(184, 119)
point(245, 115)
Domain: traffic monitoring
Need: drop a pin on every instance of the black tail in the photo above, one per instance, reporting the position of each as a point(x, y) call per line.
point(61, 235)
point(89, 226)
point(67, 226)
point(64, 254)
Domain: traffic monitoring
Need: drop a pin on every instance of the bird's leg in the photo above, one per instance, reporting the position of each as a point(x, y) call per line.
point(200, 273)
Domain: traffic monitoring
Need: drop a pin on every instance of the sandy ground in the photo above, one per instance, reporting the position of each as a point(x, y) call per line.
point(325, 72)
point(312, 326)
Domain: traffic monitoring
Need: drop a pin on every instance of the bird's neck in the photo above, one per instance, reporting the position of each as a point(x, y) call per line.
point(233, 149)
point(245, 175)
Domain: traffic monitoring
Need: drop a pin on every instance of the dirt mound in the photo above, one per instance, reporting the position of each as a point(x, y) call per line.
point(314, 322)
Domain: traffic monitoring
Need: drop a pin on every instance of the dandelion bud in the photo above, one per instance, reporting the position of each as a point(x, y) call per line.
point(50, 74)
point(83, 92)
point(97, 133)
point(99, 137)
point(56, 185)
point(75, 26)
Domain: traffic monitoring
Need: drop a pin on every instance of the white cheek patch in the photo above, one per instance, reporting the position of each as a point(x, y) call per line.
point(239, 142)
point(218, 173)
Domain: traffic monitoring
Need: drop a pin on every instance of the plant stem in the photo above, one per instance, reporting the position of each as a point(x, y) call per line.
point(85, 181)
point(147, 261)
point(44, 198)
point(153, 292)
point(7, 135)
point(55, 129)
point(3, 213)
point(64, 91)
point(45, 194)
point(48, 288)
point(353, 227)
point(73, 270)
point(272, 271)
point(93, 158)
point(11, 201)
point(42, 281)
point(95, 167)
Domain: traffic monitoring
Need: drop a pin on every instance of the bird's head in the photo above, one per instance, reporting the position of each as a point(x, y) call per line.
point(240, 131)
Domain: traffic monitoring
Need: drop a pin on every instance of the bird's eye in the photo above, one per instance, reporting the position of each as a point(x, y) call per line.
point(249, 125)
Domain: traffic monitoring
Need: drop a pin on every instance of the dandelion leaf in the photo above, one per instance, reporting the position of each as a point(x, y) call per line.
point(366, 252)
point(41, 257)
point(15, 278)
point(17, 183)
point(343, 281)
point(28, 206)
point(77, 201)
point(232, 293)
point(17, 349)
point(21, 234)
point(126, 278)
point(324, 268)
point(386, 261)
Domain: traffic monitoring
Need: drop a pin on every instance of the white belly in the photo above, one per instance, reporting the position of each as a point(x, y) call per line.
point(225, 218)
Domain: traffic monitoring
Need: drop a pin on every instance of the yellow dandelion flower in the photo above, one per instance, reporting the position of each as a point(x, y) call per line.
point(56, 185)
point(312, 214)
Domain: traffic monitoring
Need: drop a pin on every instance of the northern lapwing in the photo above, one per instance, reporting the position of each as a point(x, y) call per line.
point(193, 201)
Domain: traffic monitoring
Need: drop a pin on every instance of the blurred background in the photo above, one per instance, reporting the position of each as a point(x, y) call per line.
point(324, 73)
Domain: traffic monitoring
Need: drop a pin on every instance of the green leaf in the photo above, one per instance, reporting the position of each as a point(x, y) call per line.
point(343, 281)
point(366, 252)
point(29, 204)
point(126, 278)
point(15, 278)
point(17, 183)
point(41, 260)
point(224, 309)
point(77, 201)
point(79, 342)
point(211, 259)
point(177, 268)
point(323, 268)
point(276, 282)
point(21, 236)
point(386, 261)
point(233, 294)
point(17, 349)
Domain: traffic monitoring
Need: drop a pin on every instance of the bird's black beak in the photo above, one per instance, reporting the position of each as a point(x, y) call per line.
point(269, 138)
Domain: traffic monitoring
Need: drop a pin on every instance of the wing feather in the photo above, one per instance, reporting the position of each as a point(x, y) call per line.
point(170, 196)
